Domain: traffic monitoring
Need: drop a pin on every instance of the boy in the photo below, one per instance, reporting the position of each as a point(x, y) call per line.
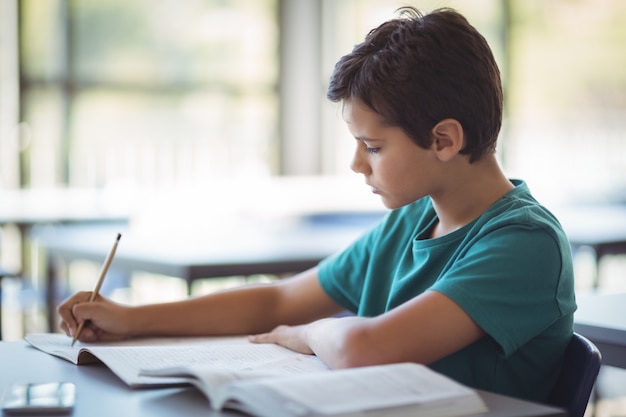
point(467, 273)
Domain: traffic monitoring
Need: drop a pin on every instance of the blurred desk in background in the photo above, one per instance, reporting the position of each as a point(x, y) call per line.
point(197, 248)
point(599, 227)
point(270, 197)
point(602, 319)
point(26, 208)
point(197, 252)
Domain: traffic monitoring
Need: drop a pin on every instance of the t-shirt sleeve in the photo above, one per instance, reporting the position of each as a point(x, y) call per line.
point(512, 283)
point(342, 275)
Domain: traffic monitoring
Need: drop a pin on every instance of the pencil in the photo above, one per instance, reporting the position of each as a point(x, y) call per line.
point(103, 272)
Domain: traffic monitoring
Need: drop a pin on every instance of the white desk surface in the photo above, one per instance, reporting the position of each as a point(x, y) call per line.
point(101, 393)
point(29, 207)
point(602, 319)
point(195, 251)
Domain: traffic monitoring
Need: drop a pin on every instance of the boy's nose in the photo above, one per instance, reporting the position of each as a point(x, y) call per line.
point(359, 164)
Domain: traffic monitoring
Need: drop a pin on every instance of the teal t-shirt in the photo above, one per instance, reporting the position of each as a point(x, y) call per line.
point(510, 270)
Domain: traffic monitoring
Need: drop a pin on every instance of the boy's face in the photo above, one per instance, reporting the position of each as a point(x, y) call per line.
point(394, 166)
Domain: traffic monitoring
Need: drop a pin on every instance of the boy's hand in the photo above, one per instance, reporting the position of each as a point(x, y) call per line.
point(106, 320)
point(291, 337)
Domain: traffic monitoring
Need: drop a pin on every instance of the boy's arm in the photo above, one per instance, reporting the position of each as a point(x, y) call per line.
point(242, 310)
point(424, 329)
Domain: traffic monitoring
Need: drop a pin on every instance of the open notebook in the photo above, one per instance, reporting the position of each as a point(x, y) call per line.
point(267, 380)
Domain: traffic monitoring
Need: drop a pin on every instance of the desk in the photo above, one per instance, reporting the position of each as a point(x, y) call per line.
point(101, 393)
point(55, 205)
point(602, 319)
point(196, 254)
point(600, 227)
point(26, 208)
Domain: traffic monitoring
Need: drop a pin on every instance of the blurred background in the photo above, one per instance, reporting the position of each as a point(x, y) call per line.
point(142, 94)
point(120, 97)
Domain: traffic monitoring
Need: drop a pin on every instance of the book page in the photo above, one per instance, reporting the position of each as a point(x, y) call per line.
point(54, 344)
point(60, 345)
point(126, 359)
point(127, 362)
point(368, 388)
point(262, 367)
point(58, 341)
point(209, 378)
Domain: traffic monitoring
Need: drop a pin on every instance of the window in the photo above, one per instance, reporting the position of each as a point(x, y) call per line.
point(567, 98)
point(174, 92)
point(151, 93)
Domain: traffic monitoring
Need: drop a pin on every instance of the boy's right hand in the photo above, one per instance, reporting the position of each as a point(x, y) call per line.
point(106, 320)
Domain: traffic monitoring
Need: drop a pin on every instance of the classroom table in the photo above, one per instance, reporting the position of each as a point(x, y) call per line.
point(27, 208)
point(267, 248)
point(271, 248)
point(30, 206)
point(600, 227)
point(101, 393)
point(602, 319)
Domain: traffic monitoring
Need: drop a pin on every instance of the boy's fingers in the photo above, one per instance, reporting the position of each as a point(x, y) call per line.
point(65, 328)
point(259, 338)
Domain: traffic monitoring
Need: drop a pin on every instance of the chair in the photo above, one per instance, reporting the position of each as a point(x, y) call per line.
point(577, 378)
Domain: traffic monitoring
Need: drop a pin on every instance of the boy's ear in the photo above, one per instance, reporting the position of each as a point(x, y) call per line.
point(448, 139)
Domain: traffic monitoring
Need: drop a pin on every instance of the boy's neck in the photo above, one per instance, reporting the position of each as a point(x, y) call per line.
point(470, 190)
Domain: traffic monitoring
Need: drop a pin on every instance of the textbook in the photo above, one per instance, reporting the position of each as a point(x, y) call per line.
point(267, 380)
point(127, 358)
point(394, 390)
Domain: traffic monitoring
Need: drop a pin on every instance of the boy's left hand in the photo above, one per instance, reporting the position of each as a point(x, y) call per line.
point(291, 337)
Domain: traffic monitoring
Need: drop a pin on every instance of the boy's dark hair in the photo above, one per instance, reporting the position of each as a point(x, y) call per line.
point(417, 70)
